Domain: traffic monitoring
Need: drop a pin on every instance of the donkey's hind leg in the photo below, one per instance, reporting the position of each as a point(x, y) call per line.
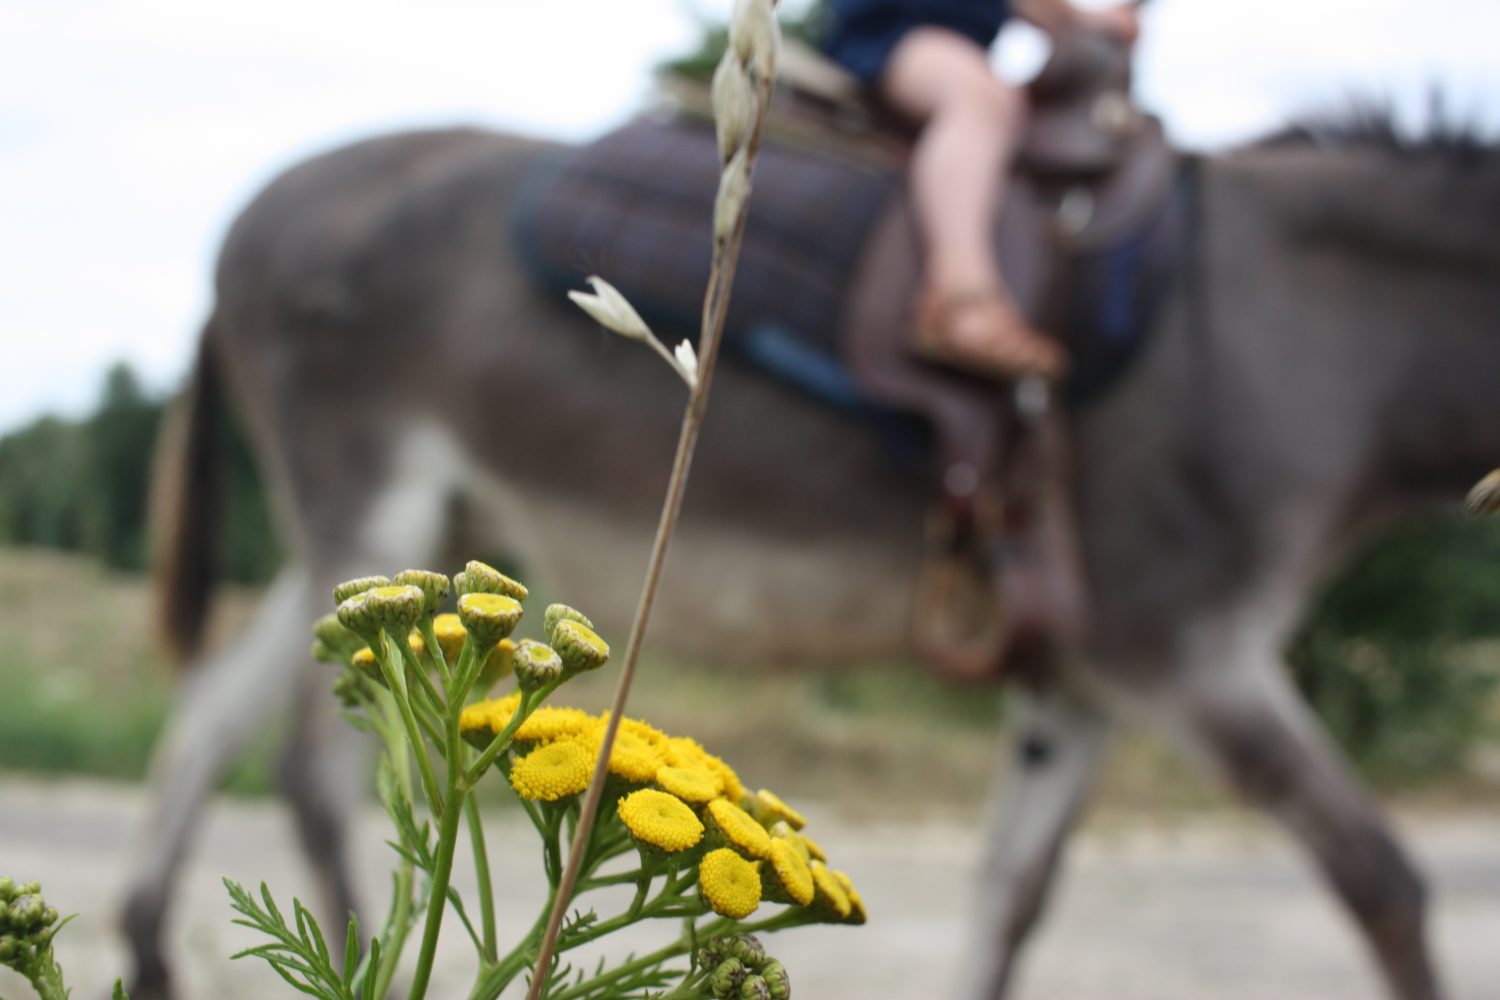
point(225, 700)
point(1257, 730)
point(1058, 739)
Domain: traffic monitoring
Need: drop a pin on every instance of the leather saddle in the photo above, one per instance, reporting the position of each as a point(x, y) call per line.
point(1093, 170)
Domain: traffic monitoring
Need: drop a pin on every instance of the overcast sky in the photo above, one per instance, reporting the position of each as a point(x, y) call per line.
point(131, 131)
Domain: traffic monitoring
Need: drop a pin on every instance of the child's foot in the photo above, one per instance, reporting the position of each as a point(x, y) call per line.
point(983, 333)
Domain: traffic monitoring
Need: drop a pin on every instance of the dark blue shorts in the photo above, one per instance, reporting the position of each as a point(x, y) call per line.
point(863, 33)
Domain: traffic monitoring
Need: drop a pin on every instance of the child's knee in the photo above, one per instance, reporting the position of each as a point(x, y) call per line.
point(996, 100)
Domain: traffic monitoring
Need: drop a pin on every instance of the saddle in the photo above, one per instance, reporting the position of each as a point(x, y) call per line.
point(828, 278)
point(1092, 172)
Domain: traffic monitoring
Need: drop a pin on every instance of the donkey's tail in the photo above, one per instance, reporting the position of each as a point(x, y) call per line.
point(185, 503)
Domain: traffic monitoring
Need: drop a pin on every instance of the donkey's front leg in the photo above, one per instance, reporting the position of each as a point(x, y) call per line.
point(1057, 739)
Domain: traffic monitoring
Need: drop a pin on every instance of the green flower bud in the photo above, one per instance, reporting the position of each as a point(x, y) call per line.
point(481, 578)
point(26, 913)
point(536, 665)
point(356, 615)
point(49, 916)
point(561, 612)
point(346, 688)
point(358, 585)
point(777, 981)
point(328, 631)
point(754, 988)
point(397, 609)
point(579, 646)
point(725, 980)
point(434, 586)
point(488, 617)
point(747, 948)
point(32, 888)
point(9, 948)
point(7, 888)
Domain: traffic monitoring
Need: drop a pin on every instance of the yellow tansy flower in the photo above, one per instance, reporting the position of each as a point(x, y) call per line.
point(364, 659)
point(729, 884)
point(769, 808)
point(740, 829)
point(791, 872)
point(857, 914)
point(812, 848)
point(632, 757)
point(550, 723)
point(450, 633)
point(660, 820)
point(553, 771)
point(829, 892)
point(690, 784)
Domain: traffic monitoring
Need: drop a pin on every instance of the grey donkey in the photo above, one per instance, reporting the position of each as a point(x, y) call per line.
point(1328, 360)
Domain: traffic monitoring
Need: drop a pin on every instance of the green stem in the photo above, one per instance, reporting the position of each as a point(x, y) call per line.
point(397, 683)
point(429, 636)
point(501, 742)
point(482, 875)
point(679, 947)
point(437, 901)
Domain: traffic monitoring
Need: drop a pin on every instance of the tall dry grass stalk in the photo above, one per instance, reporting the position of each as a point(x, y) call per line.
point(742, 89)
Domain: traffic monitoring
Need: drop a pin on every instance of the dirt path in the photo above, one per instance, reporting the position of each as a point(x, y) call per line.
point(1216, 908)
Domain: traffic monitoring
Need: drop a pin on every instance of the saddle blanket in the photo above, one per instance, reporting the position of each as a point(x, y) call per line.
point(635, 207)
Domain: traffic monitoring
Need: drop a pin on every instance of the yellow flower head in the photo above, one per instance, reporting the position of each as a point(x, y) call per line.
point(813, 849)
point(497, 665)
point(792, 874)
point(633, 757)
point(553, 771)
point(692, 785)
point(683, 751)
point(660, 820)
point(729, 884)
point(739, 828)
point(488, 617)
point(769, 808)
point(450, 635)
point(493, 715)
point(550, 723)
point(780, 830)
point(365, 660)
point(857, 914)
point(830, 894)
point(417, 643)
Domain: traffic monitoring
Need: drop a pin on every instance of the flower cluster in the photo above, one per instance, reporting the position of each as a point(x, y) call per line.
point(27, 926)
point(739, 968)
point(681, 806)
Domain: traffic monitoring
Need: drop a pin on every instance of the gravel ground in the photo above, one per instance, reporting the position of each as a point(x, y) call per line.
point(1218, 906)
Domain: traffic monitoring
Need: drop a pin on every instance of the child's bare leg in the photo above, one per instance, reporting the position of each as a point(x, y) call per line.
point(973, 122)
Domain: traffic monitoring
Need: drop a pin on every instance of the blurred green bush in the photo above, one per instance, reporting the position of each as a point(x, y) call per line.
point(1398, 654)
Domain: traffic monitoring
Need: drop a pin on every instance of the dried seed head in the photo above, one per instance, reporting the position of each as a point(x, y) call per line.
point(611, 310)
point(734, 192)
point(1484, 498)
point(754, 36)
point(734, 105)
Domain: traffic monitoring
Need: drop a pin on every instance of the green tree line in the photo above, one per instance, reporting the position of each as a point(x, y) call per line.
point(83, 485)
